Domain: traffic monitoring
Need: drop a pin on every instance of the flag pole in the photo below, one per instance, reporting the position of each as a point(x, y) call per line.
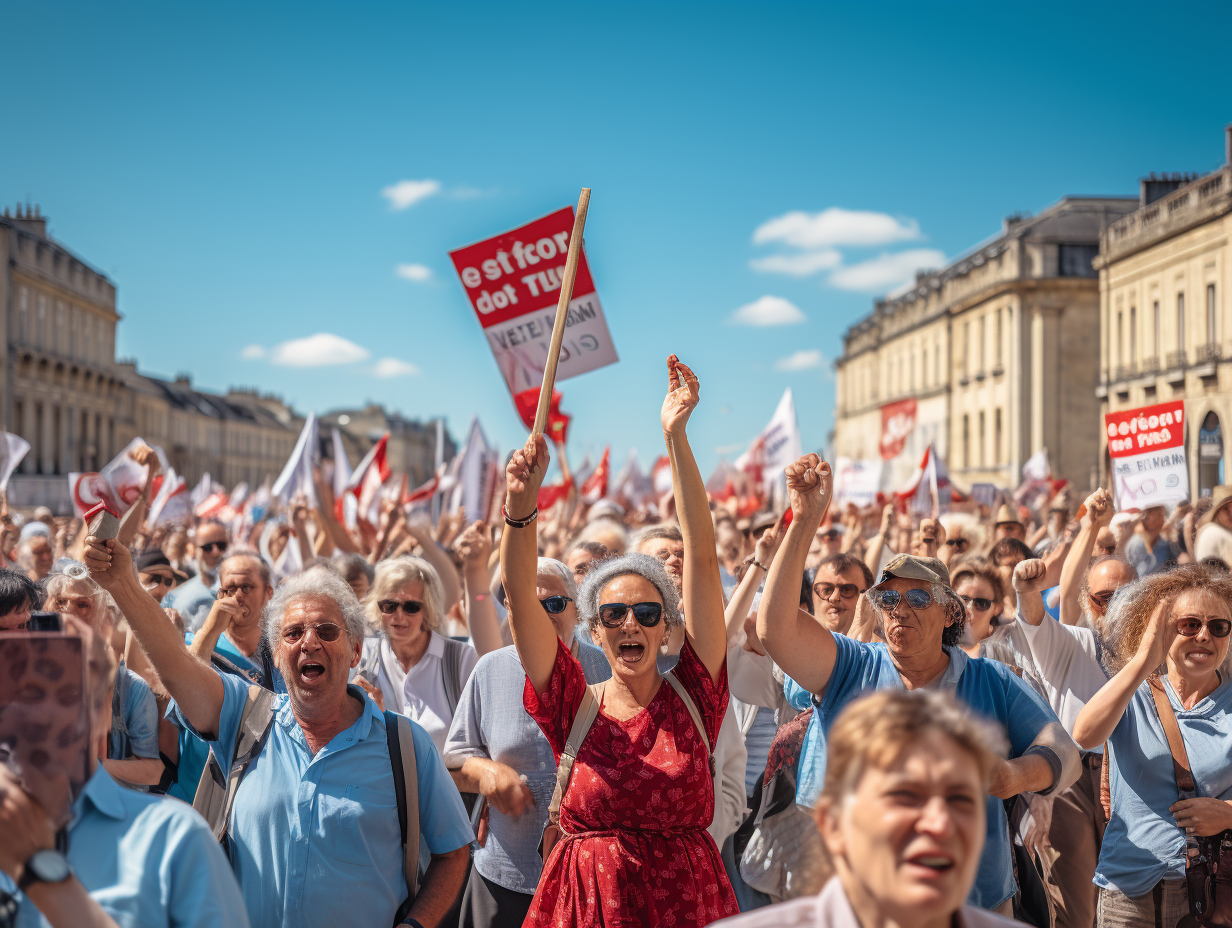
point(562, 311)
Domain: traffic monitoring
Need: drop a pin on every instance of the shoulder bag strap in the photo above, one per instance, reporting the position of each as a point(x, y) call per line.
point(1105, 786)
point(577, 734)
point(693, 714)
point(1172, 731)
point(400, 738)
point(452, 672)
point(215, 794)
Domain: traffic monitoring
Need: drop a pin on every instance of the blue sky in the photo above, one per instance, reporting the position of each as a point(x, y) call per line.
point(224, 164)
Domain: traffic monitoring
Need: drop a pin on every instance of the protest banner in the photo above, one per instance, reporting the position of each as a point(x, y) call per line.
point(118, 484)
point(513, 282)
point(897, 423)
point(1147, 447)
point(856, 481)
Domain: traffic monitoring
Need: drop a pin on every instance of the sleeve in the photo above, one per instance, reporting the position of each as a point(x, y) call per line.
point(554, 711)
point(796, 695)
point(1056, 652)
point(750, 677)
point(234, 695)
point(470, 657)
point(141, 718)
point(201, 887)
point(851, 659)
point(444, 825)
point(466, 737)
point(730, 798)
point(1026, 712)
point(710, 695)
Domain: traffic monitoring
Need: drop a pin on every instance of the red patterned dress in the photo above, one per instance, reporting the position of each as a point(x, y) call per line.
point(635, 851)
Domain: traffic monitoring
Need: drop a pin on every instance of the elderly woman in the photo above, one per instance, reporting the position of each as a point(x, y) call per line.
point(1167, 643)
point(408, 665)
point(496, 749)
point(315, 815)
point(634, 848)
point(923, 620)
point(132, 748)
point(902, 815)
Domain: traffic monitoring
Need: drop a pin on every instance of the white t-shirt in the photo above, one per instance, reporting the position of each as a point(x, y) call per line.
point(1065, 658)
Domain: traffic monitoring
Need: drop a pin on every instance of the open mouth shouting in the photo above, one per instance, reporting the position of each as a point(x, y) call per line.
point(310, 672)
point(631, 652)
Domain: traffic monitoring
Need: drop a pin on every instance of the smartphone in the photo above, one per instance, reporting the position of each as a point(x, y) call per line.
point(45, 622)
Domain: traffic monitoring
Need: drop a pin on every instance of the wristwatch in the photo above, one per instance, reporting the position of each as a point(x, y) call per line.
point(45, 866)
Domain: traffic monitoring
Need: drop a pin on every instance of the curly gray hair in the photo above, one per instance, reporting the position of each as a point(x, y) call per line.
point(643, 565)
point(316, 583)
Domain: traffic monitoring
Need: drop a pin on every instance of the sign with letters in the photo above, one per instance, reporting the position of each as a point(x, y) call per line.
point(897, 423)
point(1147, 448)
point(513, 282)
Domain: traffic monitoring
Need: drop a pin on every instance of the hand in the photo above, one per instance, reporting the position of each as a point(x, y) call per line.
point(1157, 636)
point(109, 562)
point(809, 483)
point(24, 824)
point(770, 541)
point(682, 396)
point(475, 545)
point(1099, 507)
point(374, 691)
point(932, 530)
point(224, 611)
point(887, 517)
point(524, 476)
point(503, 788)
point(1029, 576)
point(176, 619)
point(1205, 816)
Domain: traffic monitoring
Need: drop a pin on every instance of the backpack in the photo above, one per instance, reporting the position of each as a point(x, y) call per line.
point(216, 791)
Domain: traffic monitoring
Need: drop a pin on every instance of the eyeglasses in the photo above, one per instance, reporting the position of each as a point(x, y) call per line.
point(1191, 627)
point(555, 605)
point(390, 606)
point(648, 615)
point(845, 590)
point(916, 599)
point(211, 546)
point(1101, 599)
point(1108, 549)
point(978, 603)
point(244, 588)
point(159, 580)
point(326, 631)
point(957, 543)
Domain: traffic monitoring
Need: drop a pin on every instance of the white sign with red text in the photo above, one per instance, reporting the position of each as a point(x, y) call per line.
point(513, 282)
point(1147, 447)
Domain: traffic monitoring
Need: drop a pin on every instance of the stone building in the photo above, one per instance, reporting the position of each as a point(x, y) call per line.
point(411, 448)
point(997, 349)
point(1165, 273)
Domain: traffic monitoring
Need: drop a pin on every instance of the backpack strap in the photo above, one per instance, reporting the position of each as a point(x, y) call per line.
point(452, 672)
point(1105, 787)
point(693, 714)
point(215, 793)
point(1172, 731)
point(585, 717)
point(400, 738)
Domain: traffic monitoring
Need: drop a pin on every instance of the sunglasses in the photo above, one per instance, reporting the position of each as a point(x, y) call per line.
point(916, 599)
point(211, 546)
point(845, 590)
point(390, 606)
point(978, 603)
point(648, 615)
point(1101, 599)
point(327, 631)
point(1191, 627)
point(957, 543)
point(555, 605)
point(159, 580)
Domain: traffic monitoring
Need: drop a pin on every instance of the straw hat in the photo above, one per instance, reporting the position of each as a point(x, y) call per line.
point(1005, 514)
point(1221, 497)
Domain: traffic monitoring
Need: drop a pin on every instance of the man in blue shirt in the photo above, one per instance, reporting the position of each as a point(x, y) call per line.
point(193, 599)
point(315, 831)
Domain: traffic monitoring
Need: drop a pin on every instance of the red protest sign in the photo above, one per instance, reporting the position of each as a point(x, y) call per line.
point(1147, 447)
point(897, 421)
point(1148, 428)
point(513, 282)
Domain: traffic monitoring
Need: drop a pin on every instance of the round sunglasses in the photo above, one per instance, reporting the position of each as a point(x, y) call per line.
point(648, 615)
point(916, 599)
point(326, 631)
point(1192, 627)
point(978, 603)
point(390, 606)
point(555, 605)
point(845, 590)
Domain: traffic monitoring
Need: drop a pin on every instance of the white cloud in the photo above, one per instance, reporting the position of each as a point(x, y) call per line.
point(801, 265)
point(802, 360)
point(886, 271)
point(406, 193)
point(768, 310)
point(252, 352)
point(416, 272)
point(836, 226)
point(392, 367)
point(318, 350)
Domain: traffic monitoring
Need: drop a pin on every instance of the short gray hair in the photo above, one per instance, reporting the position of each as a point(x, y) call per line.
point(643, 565)
point(549, 565)
point(667, 530)
point(316, 583)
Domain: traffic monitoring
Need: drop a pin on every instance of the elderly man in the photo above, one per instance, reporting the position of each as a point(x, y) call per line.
point(923, 621)
point(496, 749)
point(193, 599)
point(36, 555)
point(315, 830)
point(19, 596)
point(1008, 525)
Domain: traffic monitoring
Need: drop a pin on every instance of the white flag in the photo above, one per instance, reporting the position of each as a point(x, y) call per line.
point(12, 450)
point(780, 445)
point(342, 466)
point(1036, 467)
point(296, 476)
point(471, 470)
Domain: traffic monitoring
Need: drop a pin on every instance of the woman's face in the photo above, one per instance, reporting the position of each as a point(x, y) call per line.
point(908, 840)
point(400, 627)
point(977, 596)
point(631, 648)
point(549, 585)
point(75, 599)
point(1203, 654)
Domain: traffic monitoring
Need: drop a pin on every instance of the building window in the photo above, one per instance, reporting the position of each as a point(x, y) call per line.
point(924, 366)
point(937, 361)
point(1075, 260)
point(966, 347)
point(1180, 322)
point(999, 334)
point(966, 440)
point(983, 459)
point(1120, 341)
point(1133, 335)
point(996, 433)
point(1211, 336)
point(36, 439)
point(982, 343)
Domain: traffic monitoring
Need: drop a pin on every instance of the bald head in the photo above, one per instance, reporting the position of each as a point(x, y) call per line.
point(1106, 576)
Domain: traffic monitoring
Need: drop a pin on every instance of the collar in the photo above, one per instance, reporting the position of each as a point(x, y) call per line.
point(953, 672)
point(103, 793)
point(834, 910)
point(436, 645)
point(359, 730)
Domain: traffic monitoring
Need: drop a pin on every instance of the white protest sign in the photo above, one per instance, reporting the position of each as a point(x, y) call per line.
point(1147, 447)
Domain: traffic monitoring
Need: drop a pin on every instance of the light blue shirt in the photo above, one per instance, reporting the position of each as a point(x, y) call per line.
point(137, 736)
point(987, 686)
point(192, 600)
point(491, 722)
point(315, 840)
point(149, 861)
point(1143, 843)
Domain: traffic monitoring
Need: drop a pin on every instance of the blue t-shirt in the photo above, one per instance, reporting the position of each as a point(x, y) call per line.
point(134, 731)
point(192, 600)
point(988, 687)
point(1143, 844)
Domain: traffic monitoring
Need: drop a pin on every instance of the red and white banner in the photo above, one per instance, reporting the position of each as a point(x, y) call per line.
point(513, 282)
point(897, 423)
point(1147, 447)
point(118, 484)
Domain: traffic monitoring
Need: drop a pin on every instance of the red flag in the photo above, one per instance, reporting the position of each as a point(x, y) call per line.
point(549, 496)
point(367, 478)
point(558, 422)
point(595, 487)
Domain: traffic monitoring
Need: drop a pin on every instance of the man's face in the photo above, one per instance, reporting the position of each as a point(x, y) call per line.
point(315, 670)
point(670, 552)
point(42, 555)
point(157, 581)
point(211, 546)
point(913, 630)
point(1153, 519)
point(17, 618)
point(579, 560)
point(835, 596)
point(1009, 530)
point(241, 581)
point(1103, 581)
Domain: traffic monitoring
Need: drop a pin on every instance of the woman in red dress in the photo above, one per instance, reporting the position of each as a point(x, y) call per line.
point(634, 849)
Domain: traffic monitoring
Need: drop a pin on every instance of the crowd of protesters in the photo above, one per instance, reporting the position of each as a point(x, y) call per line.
point(620, 713)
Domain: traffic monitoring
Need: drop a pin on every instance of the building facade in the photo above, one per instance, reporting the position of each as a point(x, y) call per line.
point(997, 349)
point(411, 448)
point(1165, 273)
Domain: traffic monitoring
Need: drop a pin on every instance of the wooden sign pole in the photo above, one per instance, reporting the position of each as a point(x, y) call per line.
point(562, 311)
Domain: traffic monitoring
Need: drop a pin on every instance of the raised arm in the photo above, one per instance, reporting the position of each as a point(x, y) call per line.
point(135, 516)
point(534, 635)
point(1074, 570)
point(703, 590)
point(1028, 581)
point(194, 686)
point(475, 545)
point(741, 603)
point(872, 555)
point(796, 641)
